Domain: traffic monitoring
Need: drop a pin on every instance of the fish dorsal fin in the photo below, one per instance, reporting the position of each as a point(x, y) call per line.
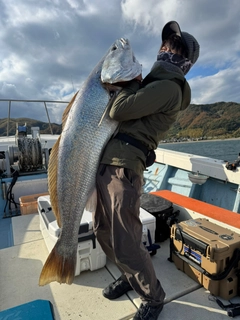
point(66, 111)
point(52, 180)
point(53, 167)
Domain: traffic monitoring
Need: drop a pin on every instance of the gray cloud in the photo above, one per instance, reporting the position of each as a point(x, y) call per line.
point(48, 48)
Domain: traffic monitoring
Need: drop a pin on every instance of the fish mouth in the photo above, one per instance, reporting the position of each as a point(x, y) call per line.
point(124, 41)
point(120, 44)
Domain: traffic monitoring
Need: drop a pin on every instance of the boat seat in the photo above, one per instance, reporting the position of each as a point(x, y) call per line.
point(223, 215)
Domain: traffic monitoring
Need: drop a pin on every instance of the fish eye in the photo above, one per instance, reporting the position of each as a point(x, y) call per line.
point(114, 48)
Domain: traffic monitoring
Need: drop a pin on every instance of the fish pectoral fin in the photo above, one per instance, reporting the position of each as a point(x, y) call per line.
point(113, 91)
point(91, 204)
point(58, 268)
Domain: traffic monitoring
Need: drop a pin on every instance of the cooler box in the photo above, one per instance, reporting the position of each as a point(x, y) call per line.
point(162, 210)
point(90, 255)
point(209, 254)
point(149, 228)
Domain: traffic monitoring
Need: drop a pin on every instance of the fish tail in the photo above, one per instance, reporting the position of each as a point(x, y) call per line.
point(58, 268)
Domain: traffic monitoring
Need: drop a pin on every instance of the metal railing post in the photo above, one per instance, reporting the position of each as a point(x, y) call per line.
point(9, 112)
point(48, 117)
point(28, 101)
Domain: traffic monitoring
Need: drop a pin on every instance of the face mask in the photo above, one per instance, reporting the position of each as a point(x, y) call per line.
point(176, 59)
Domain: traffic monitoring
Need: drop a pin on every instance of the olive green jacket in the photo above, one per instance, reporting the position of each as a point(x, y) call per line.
point(146, 114)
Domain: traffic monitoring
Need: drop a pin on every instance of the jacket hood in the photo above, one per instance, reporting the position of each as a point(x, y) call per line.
point(166, 71)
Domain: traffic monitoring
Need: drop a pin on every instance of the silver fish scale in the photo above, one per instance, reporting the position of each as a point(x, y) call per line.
point(83, 139)
point(82, 142)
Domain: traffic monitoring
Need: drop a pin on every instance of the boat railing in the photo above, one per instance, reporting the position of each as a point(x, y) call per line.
point(10, 101)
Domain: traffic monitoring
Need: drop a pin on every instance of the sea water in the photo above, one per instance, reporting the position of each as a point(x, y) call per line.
point(227, 150)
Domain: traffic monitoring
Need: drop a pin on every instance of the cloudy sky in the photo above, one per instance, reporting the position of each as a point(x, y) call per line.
point(49, 47)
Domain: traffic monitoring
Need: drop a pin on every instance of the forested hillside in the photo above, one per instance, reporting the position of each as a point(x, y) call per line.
point(44, 127)
point(217, 120)
point(221, 120)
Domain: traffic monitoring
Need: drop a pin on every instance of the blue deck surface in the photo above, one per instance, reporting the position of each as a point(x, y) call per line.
point(35, 310)
point(6, 233)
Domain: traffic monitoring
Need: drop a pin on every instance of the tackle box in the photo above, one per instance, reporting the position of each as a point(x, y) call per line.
point(90, 255)
point(209, 254)
point(162, 210)
point(28, 204)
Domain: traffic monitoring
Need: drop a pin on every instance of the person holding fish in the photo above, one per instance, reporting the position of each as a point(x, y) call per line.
point(145, 110)
point(142, 111)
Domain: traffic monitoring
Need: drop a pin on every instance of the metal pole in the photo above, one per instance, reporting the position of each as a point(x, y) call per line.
point(9, 111)
point(24, 100)
point(48, 117)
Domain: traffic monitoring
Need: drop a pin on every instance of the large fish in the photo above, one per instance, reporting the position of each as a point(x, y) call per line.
point(75, 157)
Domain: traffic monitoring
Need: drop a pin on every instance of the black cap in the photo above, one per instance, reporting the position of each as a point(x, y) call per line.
point(188, 40)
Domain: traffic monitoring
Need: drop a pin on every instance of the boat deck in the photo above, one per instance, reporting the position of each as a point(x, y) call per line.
point(21, 264)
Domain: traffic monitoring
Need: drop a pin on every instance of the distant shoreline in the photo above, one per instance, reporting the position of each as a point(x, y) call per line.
point(210, 140)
